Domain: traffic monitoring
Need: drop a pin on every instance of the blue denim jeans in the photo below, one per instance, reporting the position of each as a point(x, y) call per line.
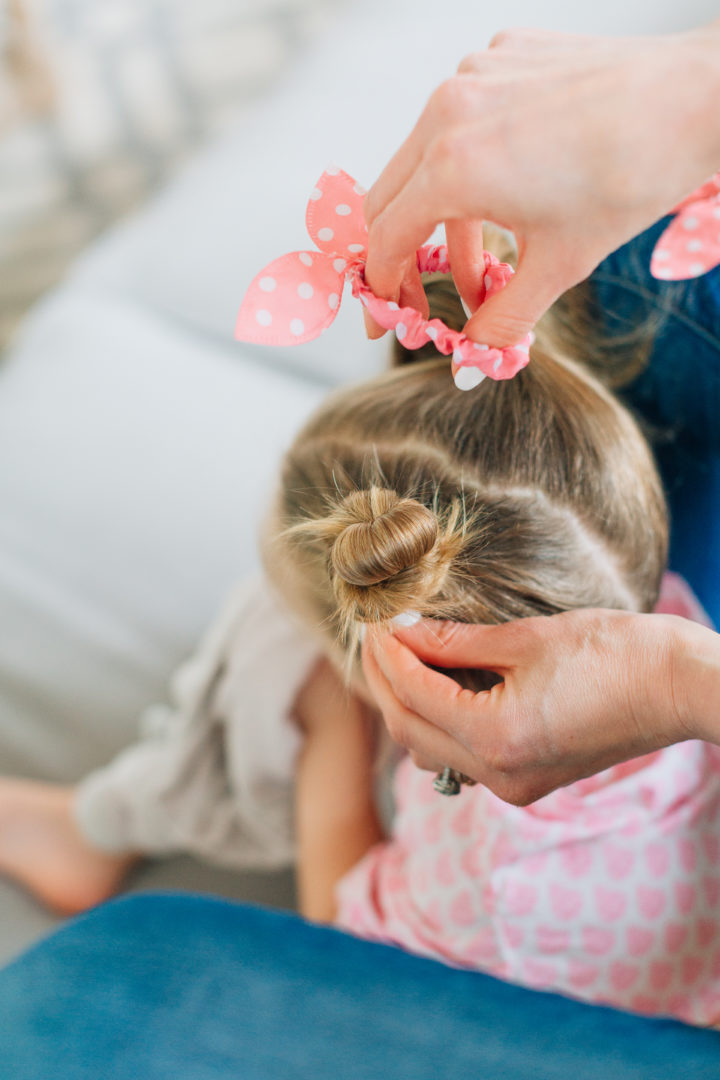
point(677, 395)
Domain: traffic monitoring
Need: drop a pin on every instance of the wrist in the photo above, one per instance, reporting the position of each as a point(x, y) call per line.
point(695, 680)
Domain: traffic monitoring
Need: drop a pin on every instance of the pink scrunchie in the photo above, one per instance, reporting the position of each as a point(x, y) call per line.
point(296, 297)
point(690, 245)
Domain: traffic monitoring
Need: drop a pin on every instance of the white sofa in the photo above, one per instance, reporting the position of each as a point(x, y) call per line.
point(138, 441)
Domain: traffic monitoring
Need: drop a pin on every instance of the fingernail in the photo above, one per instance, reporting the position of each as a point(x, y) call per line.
point(407, 618)
point(466, 378)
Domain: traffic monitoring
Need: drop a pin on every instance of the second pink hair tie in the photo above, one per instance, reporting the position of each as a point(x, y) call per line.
point(296, 297)
point(690, 244)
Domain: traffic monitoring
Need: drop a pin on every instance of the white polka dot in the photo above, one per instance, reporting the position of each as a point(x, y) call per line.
point(480, 348)
point(333, 300)
point(716, 211)
point(498, 362)
point(332, 170)
point(690, 222)
point(401, 330)
point(339, 265)
point(393, 306)
point(343, 209)
point(356, 248)
point(662, 254)
point(316, 194)
point(431, 332)
point(267, 284)
point(325, 234)
point(487, 281)
point(663, 272)
point(297, 327)
point(694, 245)
point(263, 317)
point(305, 290)
point(359, 189)
point(466, 378)
point(305, 258)
point(523, 348)
point(697, 268)
point(457, 355)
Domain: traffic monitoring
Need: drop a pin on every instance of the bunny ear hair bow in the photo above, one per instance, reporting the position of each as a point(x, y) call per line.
point(296, 297)
point(690, 245)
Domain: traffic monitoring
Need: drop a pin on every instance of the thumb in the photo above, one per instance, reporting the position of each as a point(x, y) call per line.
point(464, 645)
point(543, 274)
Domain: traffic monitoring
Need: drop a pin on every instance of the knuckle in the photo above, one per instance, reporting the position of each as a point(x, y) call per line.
point(506, 790)
point(421, 762)
point(472, 63)
point(452, 100)
point(446, 633)
point(502, 39)
point(398, 728)
point(510, 327)
point(383, 237)
point(442, 99)
point(371, 207)
point(517, 793)
point(449, 160)
point(510, 754)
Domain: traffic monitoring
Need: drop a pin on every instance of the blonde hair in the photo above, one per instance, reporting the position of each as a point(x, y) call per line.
point(529, 496)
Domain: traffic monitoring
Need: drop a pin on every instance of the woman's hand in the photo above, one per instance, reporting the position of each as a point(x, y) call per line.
point(581, 691)
point(574, 143)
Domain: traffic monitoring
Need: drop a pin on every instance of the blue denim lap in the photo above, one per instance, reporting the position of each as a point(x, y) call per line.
point(678, 395)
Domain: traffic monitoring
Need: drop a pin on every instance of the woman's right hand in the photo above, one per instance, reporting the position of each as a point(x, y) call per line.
point(574, 143)
point(581, 691)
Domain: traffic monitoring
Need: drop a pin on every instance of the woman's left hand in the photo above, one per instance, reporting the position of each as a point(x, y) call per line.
point(581, 691)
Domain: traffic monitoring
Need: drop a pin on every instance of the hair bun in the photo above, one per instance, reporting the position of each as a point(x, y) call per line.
point(384, 536)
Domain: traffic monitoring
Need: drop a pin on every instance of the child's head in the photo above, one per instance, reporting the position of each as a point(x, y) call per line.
point(523, 497)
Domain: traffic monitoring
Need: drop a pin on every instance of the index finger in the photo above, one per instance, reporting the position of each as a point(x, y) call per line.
point(397, 232)
point(432, 695)
point(430, 746)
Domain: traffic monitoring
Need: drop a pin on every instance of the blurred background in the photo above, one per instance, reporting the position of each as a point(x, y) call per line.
point(100, 100)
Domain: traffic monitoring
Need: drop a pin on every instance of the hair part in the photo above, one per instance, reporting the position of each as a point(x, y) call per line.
point(528, 496)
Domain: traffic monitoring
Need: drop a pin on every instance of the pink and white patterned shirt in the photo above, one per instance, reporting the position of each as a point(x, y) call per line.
point(607, 890)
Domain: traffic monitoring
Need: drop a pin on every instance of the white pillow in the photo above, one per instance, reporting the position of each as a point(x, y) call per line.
point(137, 462)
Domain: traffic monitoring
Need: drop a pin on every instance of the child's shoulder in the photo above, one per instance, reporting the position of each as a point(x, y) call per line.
point(677, 598)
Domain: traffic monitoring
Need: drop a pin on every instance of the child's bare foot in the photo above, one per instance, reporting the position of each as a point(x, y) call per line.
point(42, 848)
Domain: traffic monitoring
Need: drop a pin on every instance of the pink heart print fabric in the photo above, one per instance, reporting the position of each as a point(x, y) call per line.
point(296, 297)
point(690, 245)
point(607, 889)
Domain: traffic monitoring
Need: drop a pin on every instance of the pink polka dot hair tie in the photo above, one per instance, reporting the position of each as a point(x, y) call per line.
point(296, 297)
point(690, 245)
